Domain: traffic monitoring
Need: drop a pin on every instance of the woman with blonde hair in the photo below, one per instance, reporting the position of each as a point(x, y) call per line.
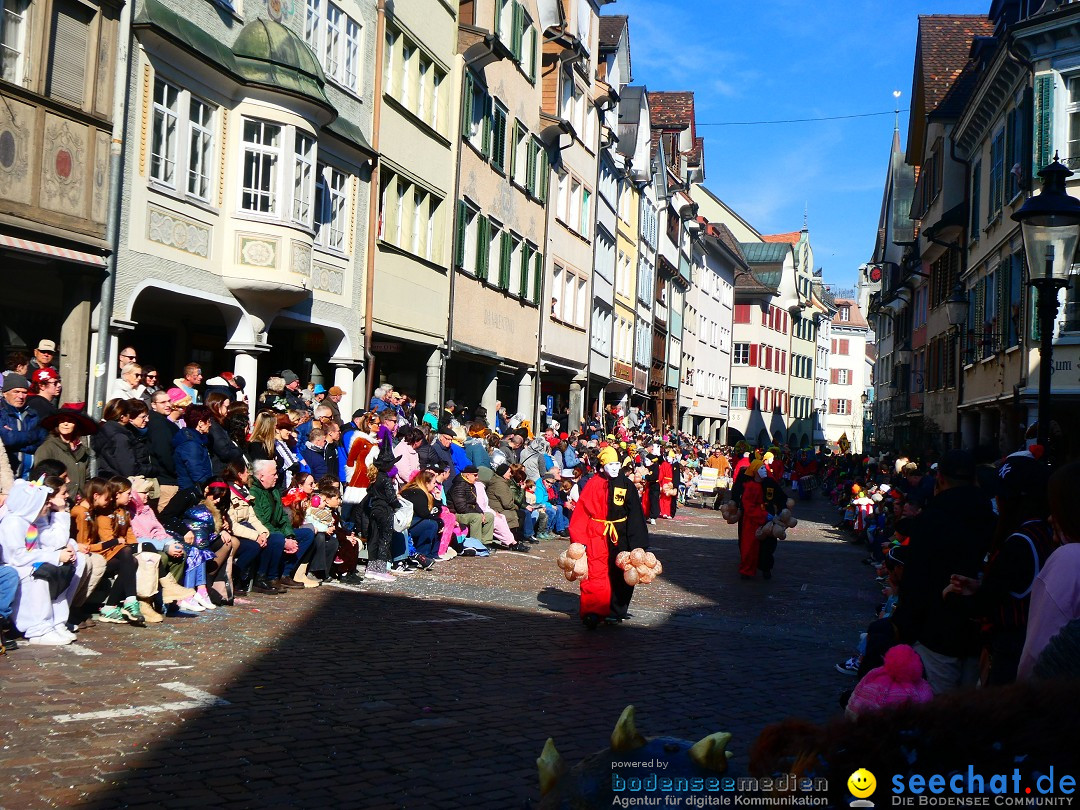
point(426, 526)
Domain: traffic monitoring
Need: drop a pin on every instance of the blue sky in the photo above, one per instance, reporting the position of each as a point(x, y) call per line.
point(781, 59)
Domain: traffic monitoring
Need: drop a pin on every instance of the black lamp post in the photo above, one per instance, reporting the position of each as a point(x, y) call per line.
point(1050, 223)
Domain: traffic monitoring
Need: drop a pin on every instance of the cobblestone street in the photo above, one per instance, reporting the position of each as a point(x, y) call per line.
point(435, 691)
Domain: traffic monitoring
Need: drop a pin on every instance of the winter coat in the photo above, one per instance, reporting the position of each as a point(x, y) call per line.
point(501, 499)
point(160, 432)
point(222, 449)
point(140, 446)
point(245, 523)
point(114, 446)
point(75, 461)
point(461, 498)
point(409, 464)
point(21, 432)
point(435, 453)
point(532, 458)
point(315, 459)
point(192, 460)
point(270, 511)
point(476, 451)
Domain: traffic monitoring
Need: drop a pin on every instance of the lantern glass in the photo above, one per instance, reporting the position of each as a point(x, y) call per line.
point(1054, 237)
point(956, 307)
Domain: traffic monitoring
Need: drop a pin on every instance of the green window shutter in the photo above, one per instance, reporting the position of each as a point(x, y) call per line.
point(542, 192)
point(530, 168)
point(486, 141)
point(1044, 120)
point(526, 260)
point(498, 137)
point(459, 250)
point(515, 40)
point(1002, 307)
point(538, 277)
point(513, 148)
point(976, 198)
point(505, 251)
point(482, 235)
point(466, 105)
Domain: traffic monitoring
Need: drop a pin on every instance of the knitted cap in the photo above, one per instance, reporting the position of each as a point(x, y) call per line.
point(898, 682)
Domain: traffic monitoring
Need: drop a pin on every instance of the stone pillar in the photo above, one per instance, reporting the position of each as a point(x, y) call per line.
point(490, 395)
point(526, 400)
point(432, 378)
point(246, 365)
point(73, 360)
point(576, 405)
point(344, 379)
point(358, 390)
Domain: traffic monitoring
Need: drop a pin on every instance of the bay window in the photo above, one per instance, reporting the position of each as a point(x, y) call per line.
point(182, 124)
point(331, 219)
point(279, 172)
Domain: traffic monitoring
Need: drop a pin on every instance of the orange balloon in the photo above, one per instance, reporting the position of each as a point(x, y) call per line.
point(631, 576)
point(637, 556)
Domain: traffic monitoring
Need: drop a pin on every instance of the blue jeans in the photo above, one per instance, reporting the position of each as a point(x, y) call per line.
point(425, 536)
point(305, 539)
point(269, 558)
point(9, 584)
point(195, 577)
point(557, 520)
point(399, 546)
point(529, 526)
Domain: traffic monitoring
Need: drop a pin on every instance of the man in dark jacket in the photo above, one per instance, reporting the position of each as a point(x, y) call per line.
point(463, 503)
point(190, 456)
point(160, 431)
point(950, 536)
point(20, 430)
point(439, 452)
point(448, 417)
point(292, 391)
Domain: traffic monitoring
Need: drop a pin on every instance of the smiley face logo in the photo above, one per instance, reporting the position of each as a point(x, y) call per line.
point(862, 783)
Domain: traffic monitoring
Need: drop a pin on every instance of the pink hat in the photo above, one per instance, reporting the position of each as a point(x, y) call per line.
point(177, 395)
point(898, 682)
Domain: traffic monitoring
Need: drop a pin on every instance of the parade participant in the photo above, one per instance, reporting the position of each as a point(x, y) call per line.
point(719, 462)
point(382, 503)
point(666, 481)
point(803, 474)
point(608, 519)
point(757, 496)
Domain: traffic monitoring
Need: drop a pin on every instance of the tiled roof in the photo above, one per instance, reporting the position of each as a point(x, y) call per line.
point(789, 238)
point(765, 252)
point(855, 316)
point(721, 232)
point(943, 50)
point(611, 29)
point(672, 109)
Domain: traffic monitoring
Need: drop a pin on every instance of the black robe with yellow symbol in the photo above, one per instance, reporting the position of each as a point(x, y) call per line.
point(607, 519)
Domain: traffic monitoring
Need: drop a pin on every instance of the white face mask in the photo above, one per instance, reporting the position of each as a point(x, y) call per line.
point(613, 468)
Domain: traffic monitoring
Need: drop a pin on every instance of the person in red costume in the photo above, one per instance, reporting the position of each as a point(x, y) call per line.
point(758, 496)
point(666, 480)
point(608, 519)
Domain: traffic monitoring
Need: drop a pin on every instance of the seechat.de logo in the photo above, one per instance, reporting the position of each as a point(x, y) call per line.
point(862, 785)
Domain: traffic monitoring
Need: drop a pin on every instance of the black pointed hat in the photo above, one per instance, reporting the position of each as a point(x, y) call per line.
point(386, 458)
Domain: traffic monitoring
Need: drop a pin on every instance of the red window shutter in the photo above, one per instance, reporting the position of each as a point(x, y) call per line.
point(832, 346)
point(765, 316)
point(768, 358)
point(832, 406)
point(834, 376)
point(783, 362)
point(742, 313)
point(848, 409)
point(843, 346)
point(761, 356)
point(751, 398)
point(753, 354)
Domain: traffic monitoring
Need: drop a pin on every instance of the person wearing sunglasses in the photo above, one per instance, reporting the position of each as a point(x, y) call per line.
point(150, 384)
point(129, 386)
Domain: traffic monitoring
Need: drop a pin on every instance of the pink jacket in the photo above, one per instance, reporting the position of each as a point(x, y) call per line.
point(144, 522)
point(409, 465)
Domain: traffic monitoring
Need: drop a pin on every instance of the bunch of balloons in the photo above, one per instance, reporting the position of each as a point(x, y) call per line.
point(778, 526)
point(730, 511)
point(574, 563)
point(640, 567)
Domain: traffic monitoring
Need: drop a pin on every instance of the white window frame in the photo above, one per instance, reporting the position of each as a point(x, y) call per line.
point(13, 40)
point(303, 178)
point(335, 36)
point(200, 149)
point(331, 197)
point(739, 396)
point(271, 191)
point(166, 129)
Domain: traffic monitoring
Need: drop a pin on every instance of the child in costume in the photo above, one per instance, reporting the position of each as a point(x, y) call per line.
point(608, 519)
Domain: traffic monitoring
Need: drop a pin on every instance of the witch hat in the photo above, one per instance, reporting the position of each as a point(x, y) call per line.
point(386, 458)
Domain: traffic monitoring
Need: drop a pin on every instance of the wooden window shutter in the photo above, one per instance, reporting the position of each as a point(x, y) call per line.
point(530, 167)
point(832, 406)
point(751, 397)
point(847, 409)
point(834, 376)
point(514, 134)
point(505, 252)
point(462, 215)
point(486, 140)
point(542, 155)
point(538, 276)
point(844, 346)
point(753, 352)
point(1044, 120)
point(768, 358)
point(742, 314)
point(765, 316)
point(467, 105)
point(70, 43)
point(526, 260)
point(515, 39)
point(482, 246)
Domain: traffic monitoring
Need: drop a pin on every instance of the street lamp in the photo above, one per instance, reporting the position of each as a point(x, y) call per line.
point(956, 306)
point(903, 354)
point(1050, 223)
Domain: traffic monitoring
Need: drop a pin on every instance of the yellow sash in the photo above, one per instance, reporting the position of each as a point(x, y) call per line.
point(610, 531)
